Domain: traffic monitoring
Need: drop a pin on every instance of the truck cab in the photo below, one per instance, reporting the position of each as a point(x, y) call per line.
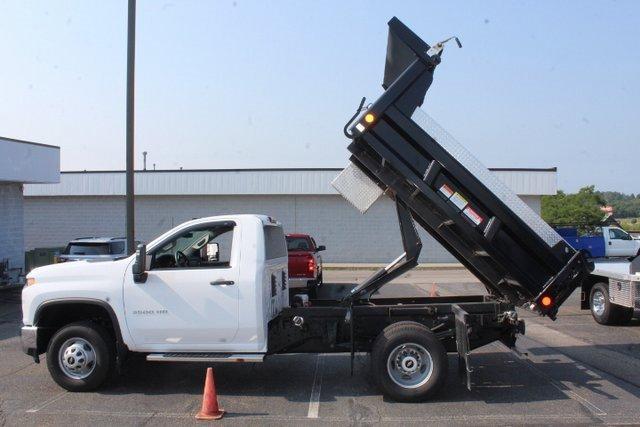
point(208, 285)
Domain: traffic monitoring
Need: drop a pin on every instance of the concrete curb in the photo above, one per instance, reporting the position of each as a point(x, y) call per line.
point(375, 266)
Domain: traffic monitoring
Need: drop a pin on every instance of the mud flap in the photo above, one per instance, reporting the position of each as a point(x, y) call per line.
point(462, 345)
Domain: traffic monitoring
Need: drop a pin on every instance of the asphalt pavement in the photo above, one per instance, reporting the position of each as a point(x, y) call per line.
point(572, 371)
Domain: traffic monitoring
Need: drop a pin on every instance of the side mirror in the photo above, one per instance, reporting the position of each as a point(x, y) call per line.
point(321, 248)
point(213, 252)
point(139, 268)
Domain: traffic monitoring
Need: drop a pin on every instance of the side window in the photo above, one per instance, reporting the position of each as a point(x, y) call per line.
point(207, 246)
point(616, 233)
point(274, 242)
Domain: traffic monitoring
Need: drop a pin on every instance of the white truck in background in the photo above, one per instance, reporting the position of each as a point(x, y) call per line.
point(612, 291)
point(602, 242)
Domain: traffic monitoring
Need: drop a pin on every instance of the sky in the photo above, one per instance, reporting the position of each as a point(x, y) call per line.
point(259, 84)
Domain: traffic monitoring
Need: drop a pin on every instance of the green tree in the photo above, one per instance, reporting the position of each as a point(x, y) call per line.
point(624, 205)
point(581, 208)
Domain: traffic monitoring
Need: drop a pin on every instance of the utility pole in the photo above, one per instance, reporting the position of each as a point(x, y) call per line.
point(144, 160)
point(131, 59)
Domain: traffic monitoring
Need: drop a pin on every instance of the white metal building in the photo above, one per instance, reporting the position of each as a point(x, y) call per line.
point(93, 204)
point(21, 162)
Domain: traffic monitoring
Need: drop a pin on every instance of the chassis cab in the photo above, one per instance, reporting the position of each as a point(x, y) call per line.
point(210, 284)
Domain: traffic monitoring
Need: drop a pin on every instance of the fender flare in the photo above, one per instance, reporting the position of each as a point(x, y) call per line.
point(121, 347)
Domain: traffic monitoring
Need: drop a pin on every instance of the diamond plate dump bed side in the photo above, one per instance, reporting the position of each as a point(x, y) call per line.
point(357, 188)
point(518, 257)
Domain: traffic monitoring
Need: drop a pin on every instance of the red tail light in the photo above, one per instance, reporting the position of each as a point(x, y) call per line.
point(312, 265)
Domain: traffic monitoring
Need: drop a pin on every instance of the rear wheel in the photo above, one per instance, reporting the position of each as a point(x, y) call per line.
point(409, 363)
point(604, 311)
point(80, 356)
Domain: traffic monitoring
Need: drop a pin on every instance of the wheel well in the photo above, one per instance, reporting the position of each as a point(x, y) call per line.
point(52, 317)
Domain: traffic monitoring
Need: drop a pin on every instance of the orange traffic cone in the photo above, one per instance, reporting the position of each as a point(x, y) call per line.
point(434, 292)
point(210, 409)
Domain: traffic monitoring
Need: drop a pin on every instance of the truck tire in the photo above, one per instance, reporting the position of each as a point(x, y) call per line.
point(80, 356)
point(409, 363)
point(603, 310)
point(626, 314)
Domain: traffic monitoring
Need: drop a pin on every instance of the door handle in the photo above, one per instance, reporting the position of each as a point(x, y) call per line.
point(222, 282)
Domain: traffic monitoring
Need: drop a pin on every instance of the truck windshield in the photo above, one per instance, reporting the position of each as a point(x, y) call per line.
point(298, 244)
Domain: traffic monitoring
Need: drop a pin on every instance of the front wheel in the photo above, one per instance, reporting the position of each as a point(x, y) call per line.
point(80, 356)
point(409, 363)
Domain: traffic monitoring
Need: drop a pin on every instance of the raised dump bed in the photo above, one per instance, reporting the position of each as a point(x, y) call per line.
point(399, 150)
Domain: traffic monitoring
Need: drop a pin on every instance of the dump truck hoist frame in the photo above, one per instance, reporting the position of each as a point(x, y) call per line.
point(506, 254)
point(515, 264)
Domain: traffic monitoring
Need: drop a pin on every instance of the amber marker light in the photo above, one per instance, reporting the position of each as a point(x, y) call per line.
point(546, 301)
point(369, 118)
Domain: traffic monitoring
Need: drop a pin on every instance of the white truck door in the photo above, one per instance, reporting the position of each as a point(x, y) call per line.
point(189, 301)
point(620, 243)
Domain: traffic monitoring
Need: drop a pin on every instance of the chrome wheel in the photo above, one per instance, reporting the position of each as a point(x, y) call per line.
point(598, 303)
point(410, 365)
point(77, 358)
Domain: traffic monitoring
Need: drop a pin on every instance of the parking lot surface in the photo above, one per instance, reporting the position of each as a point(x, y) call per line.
point(572, 371)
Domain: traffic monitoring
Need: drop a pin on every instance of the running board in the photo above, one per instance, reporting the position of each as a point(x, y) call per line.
point(204, 357)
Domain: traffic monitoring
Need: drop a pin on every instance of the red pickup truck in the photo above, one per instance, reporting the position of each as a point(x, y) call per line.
point(305, 262)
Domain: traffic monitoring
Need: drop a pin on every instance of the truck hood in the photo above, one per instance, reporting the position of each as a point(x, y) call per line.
point(88, 272)
point(78, 280)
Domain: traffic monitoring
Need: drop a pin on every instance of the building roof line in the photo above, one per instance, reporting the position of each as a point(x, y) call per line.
point(20, 141)
point(552, 169)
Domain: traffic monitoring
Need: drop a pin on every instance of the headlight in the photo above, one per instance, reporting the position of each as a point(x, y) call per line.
point(31, 281)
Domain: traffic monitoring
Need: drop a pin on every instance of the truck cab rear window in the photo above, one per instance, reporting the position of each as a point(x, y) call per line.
point(87, 249)
point(274, 242)
point(298, 244)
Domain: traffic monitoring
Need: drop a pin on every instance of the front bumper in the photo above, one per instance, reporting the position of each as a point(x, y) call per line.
point(30, 340)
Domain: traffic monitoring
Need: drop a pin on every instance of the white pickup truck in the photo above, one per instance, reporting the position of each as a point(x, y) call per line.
point(211, 285)
point(602, 242)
